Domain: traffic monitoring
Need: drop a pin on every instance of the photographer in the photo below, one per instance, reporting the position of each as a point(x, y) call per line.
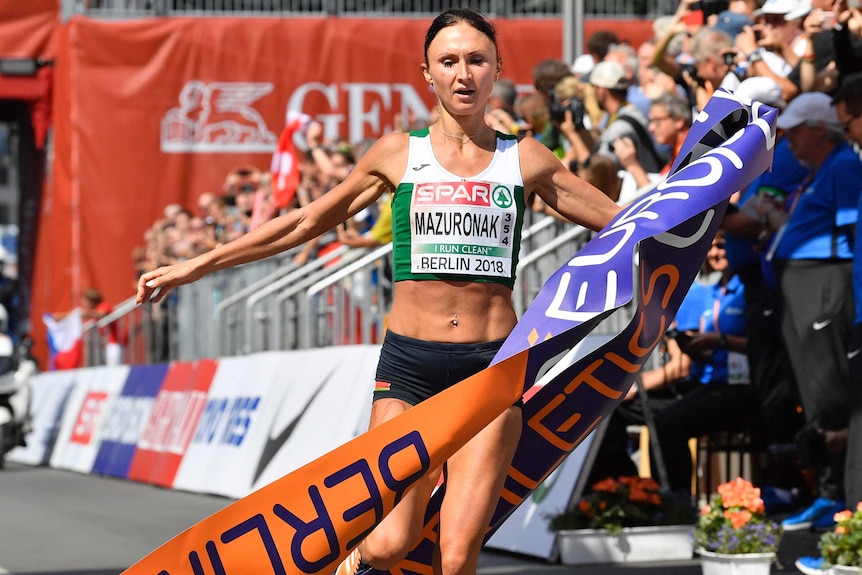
point(712, 54)
point(567, 112)
point(714, 67)
point(774, 44)
point(546, 75)
point(622, 120)
point(833, 48)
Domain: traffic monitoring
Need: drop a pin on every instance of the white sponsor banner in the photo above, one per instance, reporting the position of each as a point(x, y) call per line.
point(50, 391)
point(86, 410)
point(327, 402)
point(232, 428)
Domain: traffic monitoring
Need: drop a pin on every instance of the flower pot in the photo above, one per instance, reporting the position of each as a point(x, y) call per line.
point(634, 544)
point(735, 564)
point(846, 570)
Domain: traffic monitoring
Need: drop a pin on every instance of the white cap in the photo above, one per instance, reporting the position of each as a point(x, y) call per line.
point(779, 7)
point(611, 75)
point(803, 9)
point(761, 89)
point(808, 107)
point(583, 64)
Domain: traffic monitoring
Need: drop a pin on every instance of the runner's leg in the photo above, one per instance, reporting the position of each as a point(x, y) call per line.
point(395, 536)
point(474, 481)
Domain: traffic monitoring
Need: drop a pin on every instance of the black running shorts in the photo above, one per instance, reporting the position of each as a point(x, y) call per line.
point(413, 370)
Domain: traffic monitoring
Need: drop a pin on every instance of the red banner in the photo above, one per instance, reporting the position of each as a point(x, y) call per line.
point(27, 28)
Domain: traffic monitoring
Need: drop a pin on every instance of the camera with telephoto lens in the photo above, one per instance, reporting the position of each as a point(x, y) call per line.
point(557, 110)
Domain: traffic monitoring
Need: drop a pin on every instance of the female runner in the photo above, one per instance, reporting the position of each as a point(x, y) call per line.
point(459, 190)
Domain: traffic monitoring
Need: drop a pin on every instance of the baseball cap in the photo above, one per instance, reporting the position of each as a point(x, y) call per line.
point(808, 107)
point(803, 9)
point(609, 75)
point(779, 7)
point(583, 64)
point(731, 23)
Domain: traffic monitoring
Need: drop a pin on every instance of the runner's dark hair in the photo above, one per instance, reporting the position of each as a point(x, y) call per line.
point(451, 17)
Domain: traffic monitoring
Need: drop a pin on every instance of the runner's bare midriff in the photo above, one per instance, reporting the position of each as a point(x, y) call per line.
point(454, 312)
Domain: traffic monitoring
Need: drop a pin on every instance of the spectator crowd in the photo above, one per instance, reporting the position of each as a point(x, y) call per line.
point(768, 339)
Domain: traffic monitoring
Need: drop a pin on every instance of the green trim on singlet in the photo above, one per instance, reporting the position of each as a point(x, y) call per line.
point(402, 239)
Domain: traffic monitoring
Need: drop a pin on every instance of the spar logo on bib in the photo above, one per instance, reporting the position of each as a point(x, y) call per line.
point(502, 197)
point(456, 193)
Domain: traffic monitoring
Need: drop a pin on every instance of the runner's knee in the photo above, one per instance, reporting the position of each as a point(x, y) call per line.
point(384, 549)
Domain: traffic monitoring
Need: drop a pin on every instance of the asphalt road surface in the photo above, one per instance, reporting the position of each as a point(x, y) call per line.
point(63, 523)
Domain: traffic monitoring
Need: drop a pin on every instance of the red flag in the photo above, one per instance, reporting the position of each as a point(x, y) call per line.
point(65, 340)
point(285, 160)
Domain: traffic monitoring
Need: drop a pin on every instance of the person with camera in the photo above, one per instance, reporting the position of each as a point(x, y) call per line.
point(546, 75)
point(714, 357)
point(833, 49)
point(567, 111)
point(714, 66)
point(711, 61)
point(622, 120)
point(669, 123)
point(773, 45)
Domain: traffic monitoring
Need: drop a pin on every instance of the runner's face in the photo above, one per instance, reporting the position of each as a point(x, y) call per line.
point(462, 64)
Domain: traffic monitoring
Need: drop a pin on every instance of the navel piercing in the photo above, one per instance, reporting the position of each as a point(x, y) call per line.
point(455, 321)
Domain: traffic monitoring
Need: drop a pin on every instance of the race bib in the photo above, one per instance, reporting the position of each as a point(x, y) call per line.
point(737, 368)
point(465, 228)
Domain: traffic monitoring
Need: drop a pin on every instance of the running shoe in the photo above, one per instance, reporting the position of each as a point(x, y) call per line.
point(827, 521)
point(813, 566)
point(353, 565)
point(821, 507)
